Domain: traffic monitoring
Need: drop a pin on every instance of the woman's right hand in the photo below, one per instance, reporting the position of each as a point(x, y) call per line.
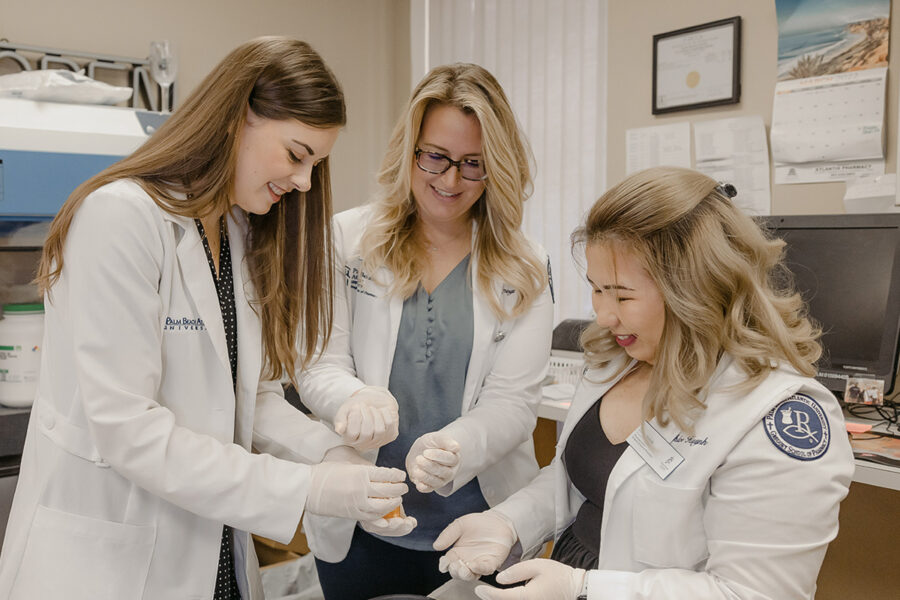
point(368, 419)
point(354, 491)
point(481, 542)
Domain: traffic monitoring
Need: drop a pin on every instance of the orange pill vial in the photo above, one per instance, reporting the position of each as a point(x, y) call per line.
point(397, 512)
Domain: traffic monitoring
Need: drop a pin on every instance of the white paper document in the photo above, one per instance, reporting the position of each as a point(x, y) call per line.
point(871, 194)
point(827, 171)
point(830, 127)
point(735, 151)
point(660, 145)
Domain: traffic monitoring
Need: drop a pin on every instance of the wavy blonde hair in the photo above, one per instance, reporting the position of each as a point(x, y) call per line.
point(502, 251)
point(188, 168)
point(723, 281)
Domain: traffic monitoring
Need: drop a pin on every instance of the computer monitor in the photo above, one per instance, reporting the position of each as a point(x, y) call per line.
point(847, 267)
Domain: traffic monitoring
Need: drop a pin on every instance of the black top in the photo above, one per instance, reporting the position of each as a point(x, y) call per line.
point(589, 458)
point(225, 291)
point(226, 582)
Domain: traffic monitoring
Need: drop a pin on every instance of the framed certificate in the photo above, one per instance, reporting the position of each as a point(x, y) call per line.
point(697, 66)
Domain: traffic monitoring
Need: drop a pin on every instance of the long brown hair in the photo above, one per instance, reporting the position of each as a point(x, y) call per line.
point(504, 254)
point(723, 280)
point(188, 168)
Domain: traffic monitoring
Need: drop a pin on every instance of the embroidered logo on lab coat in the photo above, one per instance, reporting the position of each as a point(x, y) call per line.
point(798, 427)
point(184, 324)
point(356, 280)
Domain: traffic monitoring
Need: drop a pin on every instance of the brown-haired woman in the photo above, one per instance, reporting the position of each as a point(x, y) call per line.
point(175, 283)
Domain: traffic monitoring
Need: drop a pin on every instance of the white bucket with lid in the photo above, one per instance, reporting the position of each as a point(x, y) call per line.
point(21, 336)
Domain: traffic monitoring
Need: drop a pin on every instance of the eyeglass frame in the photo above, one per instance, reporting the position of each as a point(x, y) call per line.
point(450, 161)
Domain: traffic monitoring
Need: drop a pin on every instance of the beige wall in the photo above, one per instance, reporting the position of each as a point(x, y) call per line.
point(632, 24)
point(365, 42)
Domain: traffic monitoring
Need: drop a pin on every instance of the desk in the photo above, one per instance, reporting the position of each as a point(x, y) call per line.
point(866, 472)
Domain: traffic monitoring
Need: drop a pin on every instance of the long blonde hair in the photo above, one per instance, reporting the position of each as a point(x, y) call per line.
point(502, 251)
point(188, 168)
point(722, 278)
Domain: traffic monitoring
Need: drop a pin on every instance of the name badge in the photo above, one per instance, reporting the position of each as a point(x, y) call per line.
point(655, 450)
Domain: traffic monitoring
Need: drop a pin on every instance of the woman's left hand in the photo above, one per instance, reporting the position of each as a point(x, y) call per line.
point(433, 461)
point(549, 580)
point(390, 527)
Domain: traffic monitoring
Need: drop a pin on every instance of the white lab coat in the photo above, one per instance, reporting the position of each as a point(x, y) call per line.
point(739, 518)
point(138, 448)
point(499, 406)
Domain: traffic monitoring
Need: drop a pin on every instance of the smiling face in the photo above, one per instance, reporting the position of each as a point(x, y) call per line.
point(626, 299)
point(445, 198)
point(275, 157)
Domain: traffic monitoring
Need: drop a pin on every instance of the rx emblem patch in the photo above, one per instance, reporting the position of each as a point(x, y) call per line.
point(798, 427)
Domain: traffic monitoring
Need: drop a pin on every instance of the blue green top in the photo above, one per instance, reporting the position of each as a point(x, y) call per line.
point(428, 378)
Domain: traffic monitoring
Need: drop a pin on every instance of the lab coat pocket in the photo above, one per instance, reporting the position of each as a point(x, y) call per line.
point(668, 525)
point(81, 558)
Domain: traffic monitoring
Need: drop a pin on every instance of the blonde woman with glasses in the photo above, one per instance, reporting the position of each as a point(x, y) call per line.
point(443, 320)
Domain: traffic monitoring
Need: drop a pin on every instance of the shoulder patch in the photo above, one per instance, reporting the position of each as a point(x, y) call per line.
point(799, 428)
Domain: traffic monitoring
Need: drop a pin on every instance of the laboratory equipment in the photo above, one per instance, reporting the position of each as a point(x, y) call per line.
point(164, 67)
point(47, 149)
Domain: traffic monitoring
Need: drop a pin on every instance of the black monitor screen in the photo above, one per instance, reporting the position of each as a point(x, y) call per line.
point(847, 267)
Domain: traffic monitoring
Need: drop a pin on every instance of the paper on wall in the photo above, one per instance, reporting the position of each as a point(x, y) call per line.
point(871, 194)
point(735, 151)
point(829, 119)
point(660, 145)
point(827, 171)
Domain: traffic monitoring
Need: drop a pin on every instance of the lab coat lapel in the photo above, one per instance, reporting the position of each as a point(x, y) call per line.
point(373, 362)
point(200, 285)
point(483, 335)
point(249, 331)
point(395, 312)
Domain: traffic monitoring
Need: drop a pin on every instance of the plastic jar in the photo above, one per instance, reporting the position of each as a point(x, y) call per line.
point(21, 335)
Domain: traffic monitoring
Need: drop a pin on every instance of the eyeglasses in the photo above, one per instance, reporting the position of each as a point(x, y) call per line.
point(437, 163)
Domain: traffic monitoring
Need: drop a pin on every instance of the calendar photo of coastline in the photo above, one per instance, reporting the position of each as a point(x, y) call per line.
point(823, 37)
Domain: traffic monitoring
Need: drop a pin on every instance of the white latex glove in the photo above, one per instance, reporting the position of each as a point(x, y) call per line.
point(352, 491)
point(481, 542)
point(433, 461)
point(346, 454)
point(549, 580)
point(395, 524)
point(368, 419)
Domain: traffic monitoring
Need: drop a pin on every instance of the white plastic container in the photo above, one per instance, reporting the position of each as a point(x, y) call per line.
point(21, 335)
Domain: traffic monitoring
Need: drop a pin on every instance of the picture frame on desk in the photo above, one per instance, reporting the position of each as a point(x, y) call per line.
point(697, 67)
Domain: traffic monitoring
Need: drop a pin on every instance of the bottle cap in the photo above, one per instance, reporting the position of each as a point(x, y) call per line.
point(23, 308)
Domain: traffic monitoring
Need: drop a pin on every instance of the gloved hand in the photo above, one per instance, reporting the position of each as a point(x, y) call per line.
point(550, 580)
point(433, 461)
point(481, 542)
point(353, 491)
point(368, 419)
point(394, 524)
point(346, 454)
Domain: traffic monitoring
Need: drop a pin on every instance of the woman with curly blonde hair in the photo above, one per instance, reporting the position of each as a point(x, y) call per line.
point(699, 457)
point(441, 334)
